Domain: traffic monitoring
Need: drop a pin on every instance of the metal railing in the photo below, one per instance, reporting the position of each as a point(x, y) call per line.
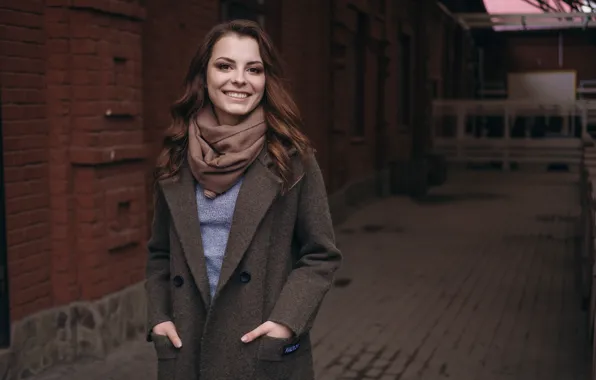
point(476, 131)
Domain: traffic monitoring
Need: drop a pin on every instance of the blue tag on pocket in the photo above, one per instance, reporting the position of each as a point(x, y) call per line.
point(290, 348)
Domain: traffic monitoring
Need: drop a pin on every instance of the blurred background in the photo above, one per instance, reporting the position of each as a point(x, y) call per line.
point(419, 103)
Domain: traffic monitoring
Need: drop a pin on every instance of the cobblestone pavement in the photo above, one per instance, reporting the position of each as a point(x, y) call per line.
point(474, 282)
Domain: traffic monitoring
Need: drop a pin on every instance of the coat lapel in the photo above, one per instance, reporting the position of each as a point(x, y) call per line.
point(181, 198)
point(259, 189)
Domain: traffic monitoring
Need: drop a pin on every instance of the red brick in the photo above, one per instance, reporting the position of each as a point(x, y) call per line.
point(56, 77)
point(27, 293)
point(15, 18)
point(21, 49)
point(58, 61)
point(24, 127)
point(57, 30)
point(24, 219)
point(21, 80)
point(58, 46)
point(17, 33)
point(21, 143)
point(23, 96)
point(83, 46)
point(65, 293)
point(22, 65)
point(25, 203)
point(83, 29)
point(87, 62)
point(86, 76)
point(12, 112)
point(31, 279)
point(59, 171)
point(26, 6)
point(21, 189)
point(26, 250)
point(33, 262)
point(55, 15)
point(59, 93)
point(58, 186)
point(87, 109)
point(87, 93)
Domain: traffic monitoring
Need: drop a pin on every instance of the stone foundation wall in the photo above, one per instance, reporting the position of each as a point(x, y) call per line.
point(79, 330)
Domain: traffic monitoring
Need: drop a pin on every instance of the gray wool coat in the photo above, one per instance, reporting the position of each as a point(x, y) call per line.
point(279, 263)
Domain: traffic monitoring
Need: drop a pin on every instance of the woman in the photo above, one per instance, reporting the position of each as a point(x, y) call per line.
point(242, 250)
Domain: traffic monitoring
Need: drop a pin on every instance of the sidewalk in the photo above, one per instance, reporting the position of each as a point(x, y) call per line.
point(474, 282)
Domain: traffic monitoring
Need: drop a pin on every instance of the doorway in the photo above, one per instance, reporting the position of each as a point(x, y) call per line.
point(4, 301)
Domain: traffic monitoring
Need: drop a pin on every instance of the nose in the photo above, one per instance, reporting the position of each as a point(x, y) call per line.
point(239, 78)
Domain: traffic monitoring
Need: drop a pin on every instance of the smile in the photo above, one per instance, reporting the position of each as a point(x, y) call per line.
point(236, 95)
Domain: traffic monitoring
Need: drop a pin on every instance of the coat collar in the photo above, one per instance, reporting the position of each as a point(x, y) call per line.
point(259, 189)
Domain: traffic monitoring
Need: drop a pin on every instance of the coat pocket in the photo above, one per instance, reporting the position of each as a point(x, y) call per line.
point(166, 357)
point(277, 349)
point(288, 359)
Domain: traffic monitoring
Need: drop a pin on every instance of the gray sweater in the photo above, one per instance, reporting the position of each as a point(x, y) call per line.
point(215, 216)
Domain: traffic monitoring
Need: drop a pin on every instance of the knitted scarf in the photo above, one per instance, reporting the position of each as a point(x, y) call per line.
point(218, 155)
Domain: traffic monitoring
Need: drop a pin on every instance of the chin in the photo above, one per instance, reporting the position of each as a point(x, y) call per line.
point(239, 111)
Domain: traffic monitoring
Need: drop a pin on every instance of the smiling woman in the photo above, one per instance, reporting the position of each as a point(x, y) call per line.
point(242, 250)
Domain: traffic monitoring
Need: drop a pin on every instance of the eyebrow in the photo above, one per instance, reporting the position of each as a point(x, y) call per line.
point(232, 61)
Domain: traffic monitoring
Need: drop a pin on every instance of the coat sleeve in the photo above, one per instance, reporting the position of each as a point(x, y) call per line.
point(157, 284)
point(318, 258)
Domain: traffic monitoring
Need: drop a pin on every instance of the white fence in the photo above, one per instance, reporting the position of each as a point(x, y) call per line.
point(482, 131)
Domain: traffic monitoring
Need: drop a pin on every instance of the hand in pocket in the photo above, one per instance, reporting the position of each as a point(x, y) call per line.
point(168, 329)
point(271, 329)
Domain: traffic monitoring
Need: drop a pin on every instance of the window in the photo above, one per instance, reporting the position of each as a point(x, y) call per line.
point(405, 80)
point(243, 9)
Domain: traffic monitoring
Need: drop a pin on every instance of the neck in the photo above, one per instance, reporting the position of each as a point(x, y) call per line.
point(226, 119)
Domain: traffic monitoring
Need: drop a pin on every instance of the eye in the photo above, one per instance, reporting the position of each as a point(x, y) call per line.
point(255, 70)
point(224, 66)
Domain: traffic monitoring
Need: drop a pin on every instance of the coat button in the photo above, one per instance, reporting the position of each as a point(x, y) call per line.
point(244, 277)
point(178, 281)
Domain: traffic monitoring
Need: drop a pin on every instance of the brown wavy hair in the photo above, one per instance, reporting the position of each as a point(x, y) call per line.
point(281, 113)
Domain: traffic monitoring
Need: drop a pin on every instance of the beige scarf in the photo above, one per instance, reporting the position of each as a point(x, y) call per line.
point(218, 155)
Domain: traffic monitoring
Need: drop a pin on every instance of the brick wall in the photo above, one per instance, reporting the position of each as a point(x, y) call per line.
point(25, 129)
point(75, 185)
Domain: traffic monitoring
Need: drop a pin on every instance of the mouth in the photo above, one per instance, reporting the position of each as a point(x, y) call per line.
point(236, 94)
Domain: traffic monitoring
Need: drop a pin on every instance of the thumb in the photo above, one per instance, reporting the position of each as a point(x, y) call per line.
point(174, 338)
point(254, 334)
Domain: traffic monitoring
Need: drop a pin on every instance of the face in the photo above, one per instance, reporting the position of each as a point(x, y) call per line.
point(235, 78)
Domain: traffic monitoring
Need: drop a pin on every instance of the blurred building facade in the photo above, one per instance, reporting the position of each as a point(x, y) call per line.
point(86, 87)
point(540, 50)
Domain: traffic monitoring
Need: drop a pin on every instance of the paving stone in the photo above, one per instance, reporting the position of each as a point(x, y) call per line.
point(362, 362)
point(374, 373)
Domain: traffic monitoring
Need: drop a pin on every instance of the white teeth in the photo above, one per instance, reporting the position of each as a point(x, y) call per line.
point(236, 95)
